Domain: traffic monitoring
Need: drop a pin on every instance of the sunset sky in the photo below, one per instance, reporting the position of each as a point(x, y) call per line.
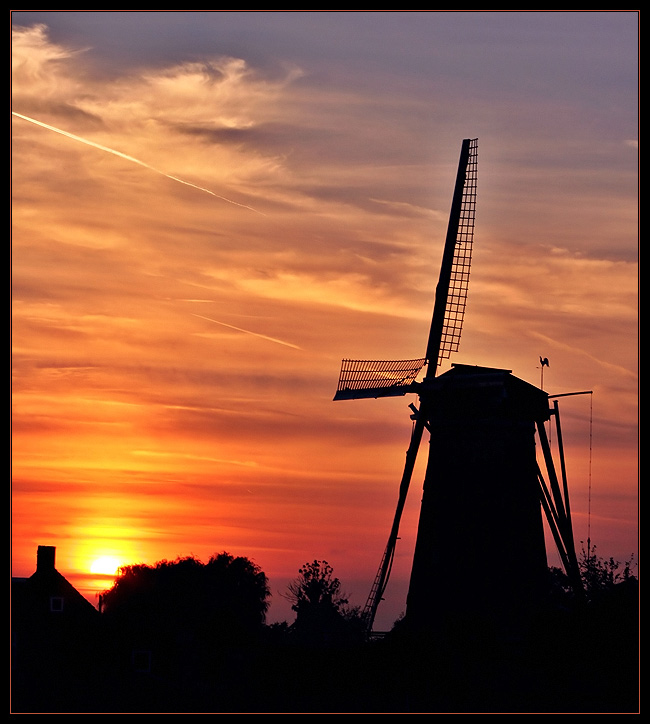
point(211, 209)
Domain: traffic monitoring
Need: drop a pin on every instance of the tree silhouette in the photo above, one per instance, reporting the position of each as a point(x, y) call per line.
point(322, 612)
point(600, 576)
point(316, 585)
point(184, 614)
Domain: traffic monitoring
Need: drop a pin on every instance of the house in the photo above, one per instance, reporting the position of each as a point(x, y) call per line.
point(46, 597)
point(55, 634)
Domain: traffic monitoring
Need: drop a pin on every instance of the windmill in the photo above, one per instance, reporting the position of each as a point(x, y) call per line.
point(451, 406)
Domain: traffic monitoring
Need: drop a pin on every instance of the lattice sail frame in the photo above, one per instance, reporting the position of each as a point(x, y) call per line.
point(459, 278)
point(376, 378)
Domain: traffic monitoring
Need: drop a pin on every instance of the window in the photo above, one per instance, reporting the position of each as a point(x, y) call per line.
point(56, 604)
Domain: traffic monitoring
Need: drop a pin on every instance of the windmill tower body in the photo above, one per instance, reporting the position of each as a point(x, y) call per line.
point(480, 549)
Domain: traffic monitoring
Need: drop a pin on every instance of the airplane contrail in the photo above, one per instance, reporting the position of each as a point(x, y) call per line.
point(130, 158)
point(247, 331)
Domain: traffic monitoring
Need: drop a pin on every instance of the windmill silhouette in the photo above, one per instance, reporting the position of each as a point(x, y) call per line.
point(482, 477)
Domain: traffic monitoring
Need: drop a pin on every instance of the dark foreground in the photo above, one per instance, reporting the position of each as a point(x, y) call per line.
point(569, 663)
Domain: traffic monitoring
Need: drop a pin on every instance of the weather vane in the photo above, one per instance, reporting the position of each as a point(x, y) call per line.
point(543, 361)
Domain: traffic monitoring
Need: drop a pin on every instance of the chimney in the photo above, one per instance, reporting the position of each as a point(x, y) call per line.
point(45, 558)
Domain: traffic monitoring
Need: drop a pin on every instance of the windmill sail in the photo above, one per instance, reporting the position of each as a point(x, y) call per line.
point(451, 292)
point(360, 379)
point(363, 379)
point(376, 378)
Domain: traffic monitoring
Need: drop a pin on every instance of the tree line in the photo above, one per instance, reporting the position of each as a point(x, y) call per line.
point(188, 636)
point(229, 596)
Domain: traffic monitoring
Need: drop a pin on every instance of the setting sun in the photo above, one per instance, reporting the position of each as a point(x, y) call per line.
point(105, 565)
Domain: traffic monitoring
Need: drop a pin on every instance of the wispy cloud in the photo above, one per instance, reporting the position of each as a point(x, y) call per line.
point(129, 158)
